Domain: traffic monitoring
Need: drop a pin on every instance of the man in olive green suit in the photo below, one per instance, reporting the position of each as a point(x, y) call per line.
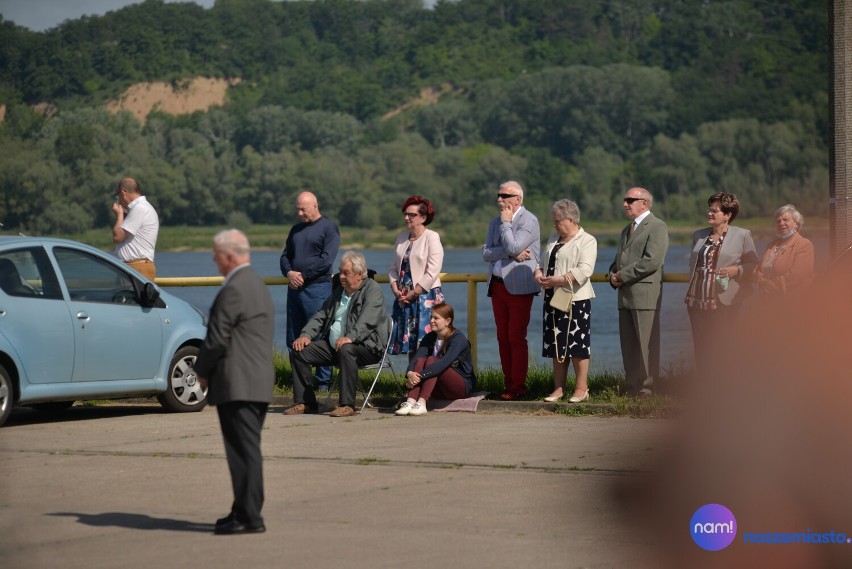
point(637, 274)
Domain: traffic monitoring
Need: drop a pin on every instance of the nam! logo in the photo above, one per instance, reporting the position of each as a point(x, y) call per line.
point(713, 527)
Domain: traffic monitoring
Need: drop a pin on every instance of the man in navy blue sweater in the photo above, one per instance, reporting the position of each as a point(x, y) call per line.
point(306, 261)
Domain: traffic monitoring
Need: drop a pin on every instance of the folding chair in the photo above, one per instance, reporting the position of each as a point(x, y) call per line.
point(381, 365)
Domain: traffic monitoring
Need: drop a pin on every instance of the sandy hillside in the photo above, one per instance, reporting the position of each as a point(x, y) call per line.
point(188, 96)
point(428, 96)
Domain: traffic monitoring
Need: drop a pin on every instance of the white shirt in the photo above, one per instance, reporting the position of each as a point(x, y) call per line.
point(143, 225)
point(639, 219)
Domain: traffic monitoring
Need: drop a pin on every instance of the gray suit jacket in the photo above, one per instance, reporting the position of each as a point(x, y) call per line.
point(639, 259)
point(237, 353)
point(506, 240)
point(737, 249)
point(366, 320)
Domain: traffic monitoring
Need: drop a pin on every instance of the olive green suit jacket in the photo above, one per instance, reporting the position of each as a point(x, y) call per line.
point(639, 260)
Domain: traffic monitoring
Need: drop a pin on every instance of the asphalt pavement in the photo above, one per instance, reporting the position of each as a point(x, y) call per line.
point(128, 485)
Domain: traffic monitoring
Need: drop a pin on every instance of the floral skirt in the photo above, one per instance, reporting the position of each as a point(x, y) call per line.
point(411, 322)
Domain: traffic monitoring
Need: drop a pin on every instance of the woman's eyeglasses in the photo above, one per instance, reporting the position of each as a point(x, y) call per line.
point(407, 214)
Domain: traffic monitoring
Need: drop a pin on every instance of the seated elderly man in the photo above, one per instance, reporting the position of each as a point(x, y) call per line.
point(349, 331)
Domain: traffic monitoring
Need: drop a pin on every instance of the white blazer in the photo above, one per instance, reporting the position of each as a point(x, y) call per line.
point(577, 257)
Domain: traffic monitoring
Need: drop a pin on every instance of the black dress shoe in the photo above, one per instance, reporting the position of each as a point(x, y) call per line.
point(227, 519)
point(234, 527)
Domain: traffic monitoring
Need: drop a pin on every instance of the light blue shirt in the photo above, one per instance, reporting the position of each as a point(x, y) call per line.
point(336, 328)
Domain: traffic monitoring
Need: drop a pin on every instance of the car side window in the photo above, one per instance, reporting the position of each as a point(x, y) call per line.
point(28, 273)
point(90, 279)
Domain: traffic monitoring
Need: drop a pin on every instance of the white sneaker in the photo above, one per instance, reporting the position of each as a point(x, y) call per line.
point(405, 408)
point(418, 409)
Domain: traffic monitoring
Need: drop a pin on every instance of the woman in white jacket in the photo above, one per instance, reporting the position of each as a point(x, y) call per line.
point(414, 276)
point(568, 262)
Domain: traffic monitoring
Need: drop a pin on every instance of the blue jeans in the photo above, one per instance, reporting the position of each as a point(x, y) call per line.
point(302, 304)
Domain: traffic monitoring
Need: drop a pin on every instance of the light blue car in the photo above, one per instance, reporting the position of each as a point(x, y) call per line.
point(75, 323)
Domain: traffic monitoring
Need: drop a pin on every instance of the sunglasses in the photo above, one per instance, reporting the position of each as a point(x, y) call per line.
point(631, 200)
point(507, 196)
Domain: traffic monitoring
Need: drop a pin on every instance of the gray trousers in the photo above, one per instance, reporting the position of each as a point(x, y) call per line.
point(319, 352)
point(639, 331)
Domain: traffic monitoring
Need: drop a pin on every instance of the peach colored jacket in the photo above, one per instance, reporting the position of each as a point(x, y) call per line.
point(793, 268)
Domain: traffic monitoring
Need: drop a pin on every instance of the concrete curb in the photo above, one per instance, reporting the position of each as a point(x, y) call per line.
point(514, 407)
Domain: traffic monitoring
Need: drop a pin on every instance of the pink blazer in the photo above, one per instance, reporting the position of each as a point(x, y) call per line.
point(427, 256)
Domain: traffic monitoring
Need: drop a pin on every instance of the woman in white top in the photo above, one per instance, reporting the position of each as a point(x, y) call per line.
point(568, 261)
point(413, 275)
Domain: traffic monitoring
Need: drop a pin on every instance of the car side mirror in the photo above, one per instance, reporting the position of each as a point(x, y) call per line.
point(150, 295)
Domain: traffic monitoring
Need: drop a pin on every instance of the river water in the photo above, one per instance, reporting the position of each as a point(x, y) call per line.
point(676, 350)
point(606, 352)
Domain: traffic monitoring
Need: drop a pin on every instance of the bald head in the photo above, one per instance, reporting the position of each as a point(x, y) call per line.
point(307, 207)
point(130, 186)
point(126, 191)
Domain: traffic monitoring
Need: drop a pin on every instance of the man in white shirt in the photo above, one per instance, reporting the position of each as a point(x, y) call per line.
point(136, 227)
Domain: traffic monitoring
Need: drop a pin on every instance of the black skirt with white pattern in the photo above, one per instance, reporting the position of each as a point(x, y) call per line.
point(579, 336)
point(573, 341)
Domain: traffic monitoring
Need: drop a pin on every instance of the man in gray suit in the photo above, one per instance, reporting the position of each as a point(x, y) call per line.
point(637, 274)
point(235, 364)
point(512, 253)
point(349, 331)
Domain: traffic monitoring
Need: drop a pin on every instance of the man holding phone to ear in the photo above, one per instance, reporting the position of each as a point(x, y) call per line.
point(136, 227)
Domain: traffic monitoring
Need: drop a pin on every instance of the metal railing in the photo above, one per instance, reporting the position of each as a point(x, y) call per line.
point(470, 278)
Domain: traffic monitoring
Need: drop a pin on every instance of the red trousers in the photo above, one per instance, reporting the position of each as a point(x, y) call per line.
point(512, 317)
point(449, 384)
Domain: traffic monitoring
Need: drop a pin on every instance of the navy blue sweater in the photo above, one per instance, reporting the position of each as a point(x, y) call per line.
point(311, 249)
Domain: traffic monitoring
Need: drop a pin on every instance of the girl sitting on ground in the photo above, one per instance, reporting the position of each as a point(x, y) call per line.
point(441, 367)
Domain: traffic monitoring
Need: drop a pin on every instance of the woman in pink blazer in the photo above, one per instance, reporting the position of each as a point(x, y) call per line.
point(414, 276)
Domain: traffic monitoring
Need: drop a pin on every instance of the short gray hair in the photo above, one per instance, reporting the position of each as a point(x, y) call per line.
point(646, 195)
point(357, 260)
point(513, 185)
point(794, 213)
point(232, 241)
point(566, 209)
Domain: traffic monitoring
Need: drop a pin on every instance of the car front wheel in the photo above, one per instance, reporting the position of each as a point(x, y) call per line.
point(183, 392)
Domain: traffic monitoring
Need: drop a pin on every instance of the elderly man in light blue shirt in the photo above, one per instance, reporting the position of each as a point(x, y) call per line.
point(349, 331)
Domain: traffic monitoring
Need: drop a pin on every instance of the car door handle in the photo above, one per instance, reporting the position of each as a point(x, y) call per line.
point(82, 316)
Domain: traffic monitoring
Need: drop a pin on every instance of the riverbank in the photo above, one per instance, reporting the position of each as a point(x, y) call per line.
point(271, 237)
